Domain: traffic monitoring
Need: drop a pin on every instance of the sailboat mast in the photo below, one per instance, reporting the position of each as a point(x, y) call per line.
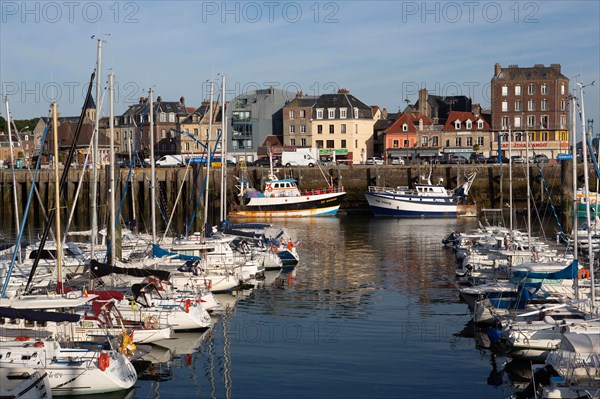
point(12, 167)
point(528, 190)
point(510, 196)
point(152, 169)
point(223, 153)
point(59, 280)
point(587, 195)
point(111, 124)
point(93, 237)
point(208, 157)
point(574, 152)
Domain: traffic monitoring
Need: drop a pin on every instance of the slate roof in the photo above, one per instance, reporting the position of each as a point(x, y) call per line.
point(302, 102)
point(536, 72)
point(442, 105)
point(341, 100)
point(200, 112)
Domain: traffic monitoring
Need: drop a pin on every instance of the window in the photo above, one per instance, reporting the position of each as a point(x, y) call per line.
point(458, 141)
point(319, 129)
point(343, 113)
point(563, 121)
point(544, 122)
point(292, 141)
point(531, 121)
point(505, 90)
point(480, 124)
point(563, 104)
point(292, 129)
point(434, 141)
point(544, 88)
point(303, 142)
point(171, 117)
point(187, 146)
point(356, 128)
point(406, 144)
point(517, 121)
point(504, 122)
point(447, 143)
point(319, 143)
point(518, 105)
point(530, 105)
point(517, 90)
point(195, 131)
point(302, 114)
point(163, 134)
point(343, 128)
point(544, 136)
point(343, 144)
point(504, 106)
point(331, 113)
point(330, 144)
point(405, 127)
point(292, 114)
point(544, 105)
point(531, 89)
point(320, 113)
point(457, 124)
point(469, 141)
point(331, 129)
point(355, 113)
point(424, 141)
point(469, 124)
point(356, 145)
point(302, 128)
point(396, 143)
point(480, 140)
point(562, 89)
point(162, 117)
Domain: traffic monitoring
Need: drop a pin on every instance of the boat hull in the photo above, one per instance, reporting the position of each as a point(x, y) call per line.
point(290, 207)
point(409, 206)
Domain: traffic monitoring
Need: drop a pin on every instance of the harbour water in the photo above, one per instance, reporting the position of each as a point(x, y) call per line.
point(370, 312)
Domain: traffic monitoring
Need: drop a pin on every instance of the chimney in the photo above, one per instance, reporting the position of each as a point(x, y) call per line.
point(423, 97)
point(158, 99)
point(384, 113)
point(182, 101)
point(556, 67)
point(476, 109)
point(497, 69)
point(142, 100)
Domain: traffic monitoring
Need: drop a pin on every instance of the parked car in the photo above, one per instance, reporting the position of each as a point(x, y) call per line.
point(266, 162)
point(478, 158)
point(457, 159)
point(518, 159)
point(396, 161)
point(374, 161)
point(542, 158)
point(494, 159)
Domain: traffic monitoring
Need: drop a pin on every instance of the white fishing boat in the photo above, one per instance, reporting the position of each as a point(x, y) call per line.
point(71, 371)
point(424, 200)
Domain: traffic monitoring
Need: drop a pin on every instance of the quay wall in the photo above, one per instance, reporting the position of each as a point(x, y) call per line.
point(490, 189)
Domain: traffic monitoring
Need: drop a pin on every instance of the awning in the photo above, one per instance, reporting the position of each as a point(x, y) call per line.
point(428, 153)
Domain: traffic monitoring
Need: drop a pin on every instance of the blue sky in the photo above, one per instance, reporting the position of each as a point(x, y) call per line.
point(382, 51)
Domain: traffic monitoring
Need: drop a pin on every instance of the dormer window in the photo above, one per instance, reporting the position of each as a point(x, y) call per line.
point(162, 117)
point(355, 113)
point(343, 113)
point(320, 113)
point(480, 124)
point(405, 127)
point(469, 124)
point(171, 117)
point(331, 113)
point(457, 124)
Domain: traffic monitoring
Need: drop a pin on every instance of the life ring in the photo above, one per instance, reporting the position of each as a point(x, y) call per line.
point(274, 249)
point(583, 273)
point(290, 246)
point(150, 323)
point(103, 361)
point(269, 189)
point(188, 303)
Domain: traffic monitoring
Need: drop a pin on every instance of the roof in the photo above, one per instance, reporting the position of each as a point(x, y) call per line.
point(66, 134)
point(302, 102)
point(162, 106)
point(411, 119)
point(199, 114)
point(463, 117)
point(536, 72)
point(344, 100)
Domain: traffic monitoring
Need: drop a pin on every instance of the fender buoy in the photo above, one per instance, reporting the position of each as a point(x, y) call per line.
point(274, 249)
point(22, 338)
point(583, 273)
point(103, 361)
point(290, 246)
point(269, 188)
point(187, 305)
point(150, 323)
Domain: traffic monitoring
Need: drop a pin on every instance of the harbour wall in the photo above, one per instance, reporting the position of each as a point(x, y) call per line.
point(180, 186)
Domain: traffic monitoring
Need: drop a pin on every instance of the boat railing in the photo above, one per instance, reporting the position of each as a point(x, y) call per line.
point(383, 190)
point(325, 190)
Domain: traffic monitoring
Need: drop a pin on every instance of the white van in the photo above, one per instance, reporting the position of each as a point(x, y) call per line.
point(171, 160)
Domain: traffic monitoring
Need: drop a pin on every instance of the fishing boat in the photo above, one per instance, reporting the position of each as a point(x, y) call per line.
point(282, 198)
point(24, 383)
point(424, 200)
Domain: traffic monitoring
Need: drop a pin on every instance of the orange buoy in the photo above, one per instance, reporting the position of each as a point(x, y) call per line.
point(103, 361)
point(583, 273)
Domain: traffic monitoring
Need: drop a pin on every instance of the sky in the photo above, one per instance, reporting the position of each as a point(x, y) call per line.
point(382, 51)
